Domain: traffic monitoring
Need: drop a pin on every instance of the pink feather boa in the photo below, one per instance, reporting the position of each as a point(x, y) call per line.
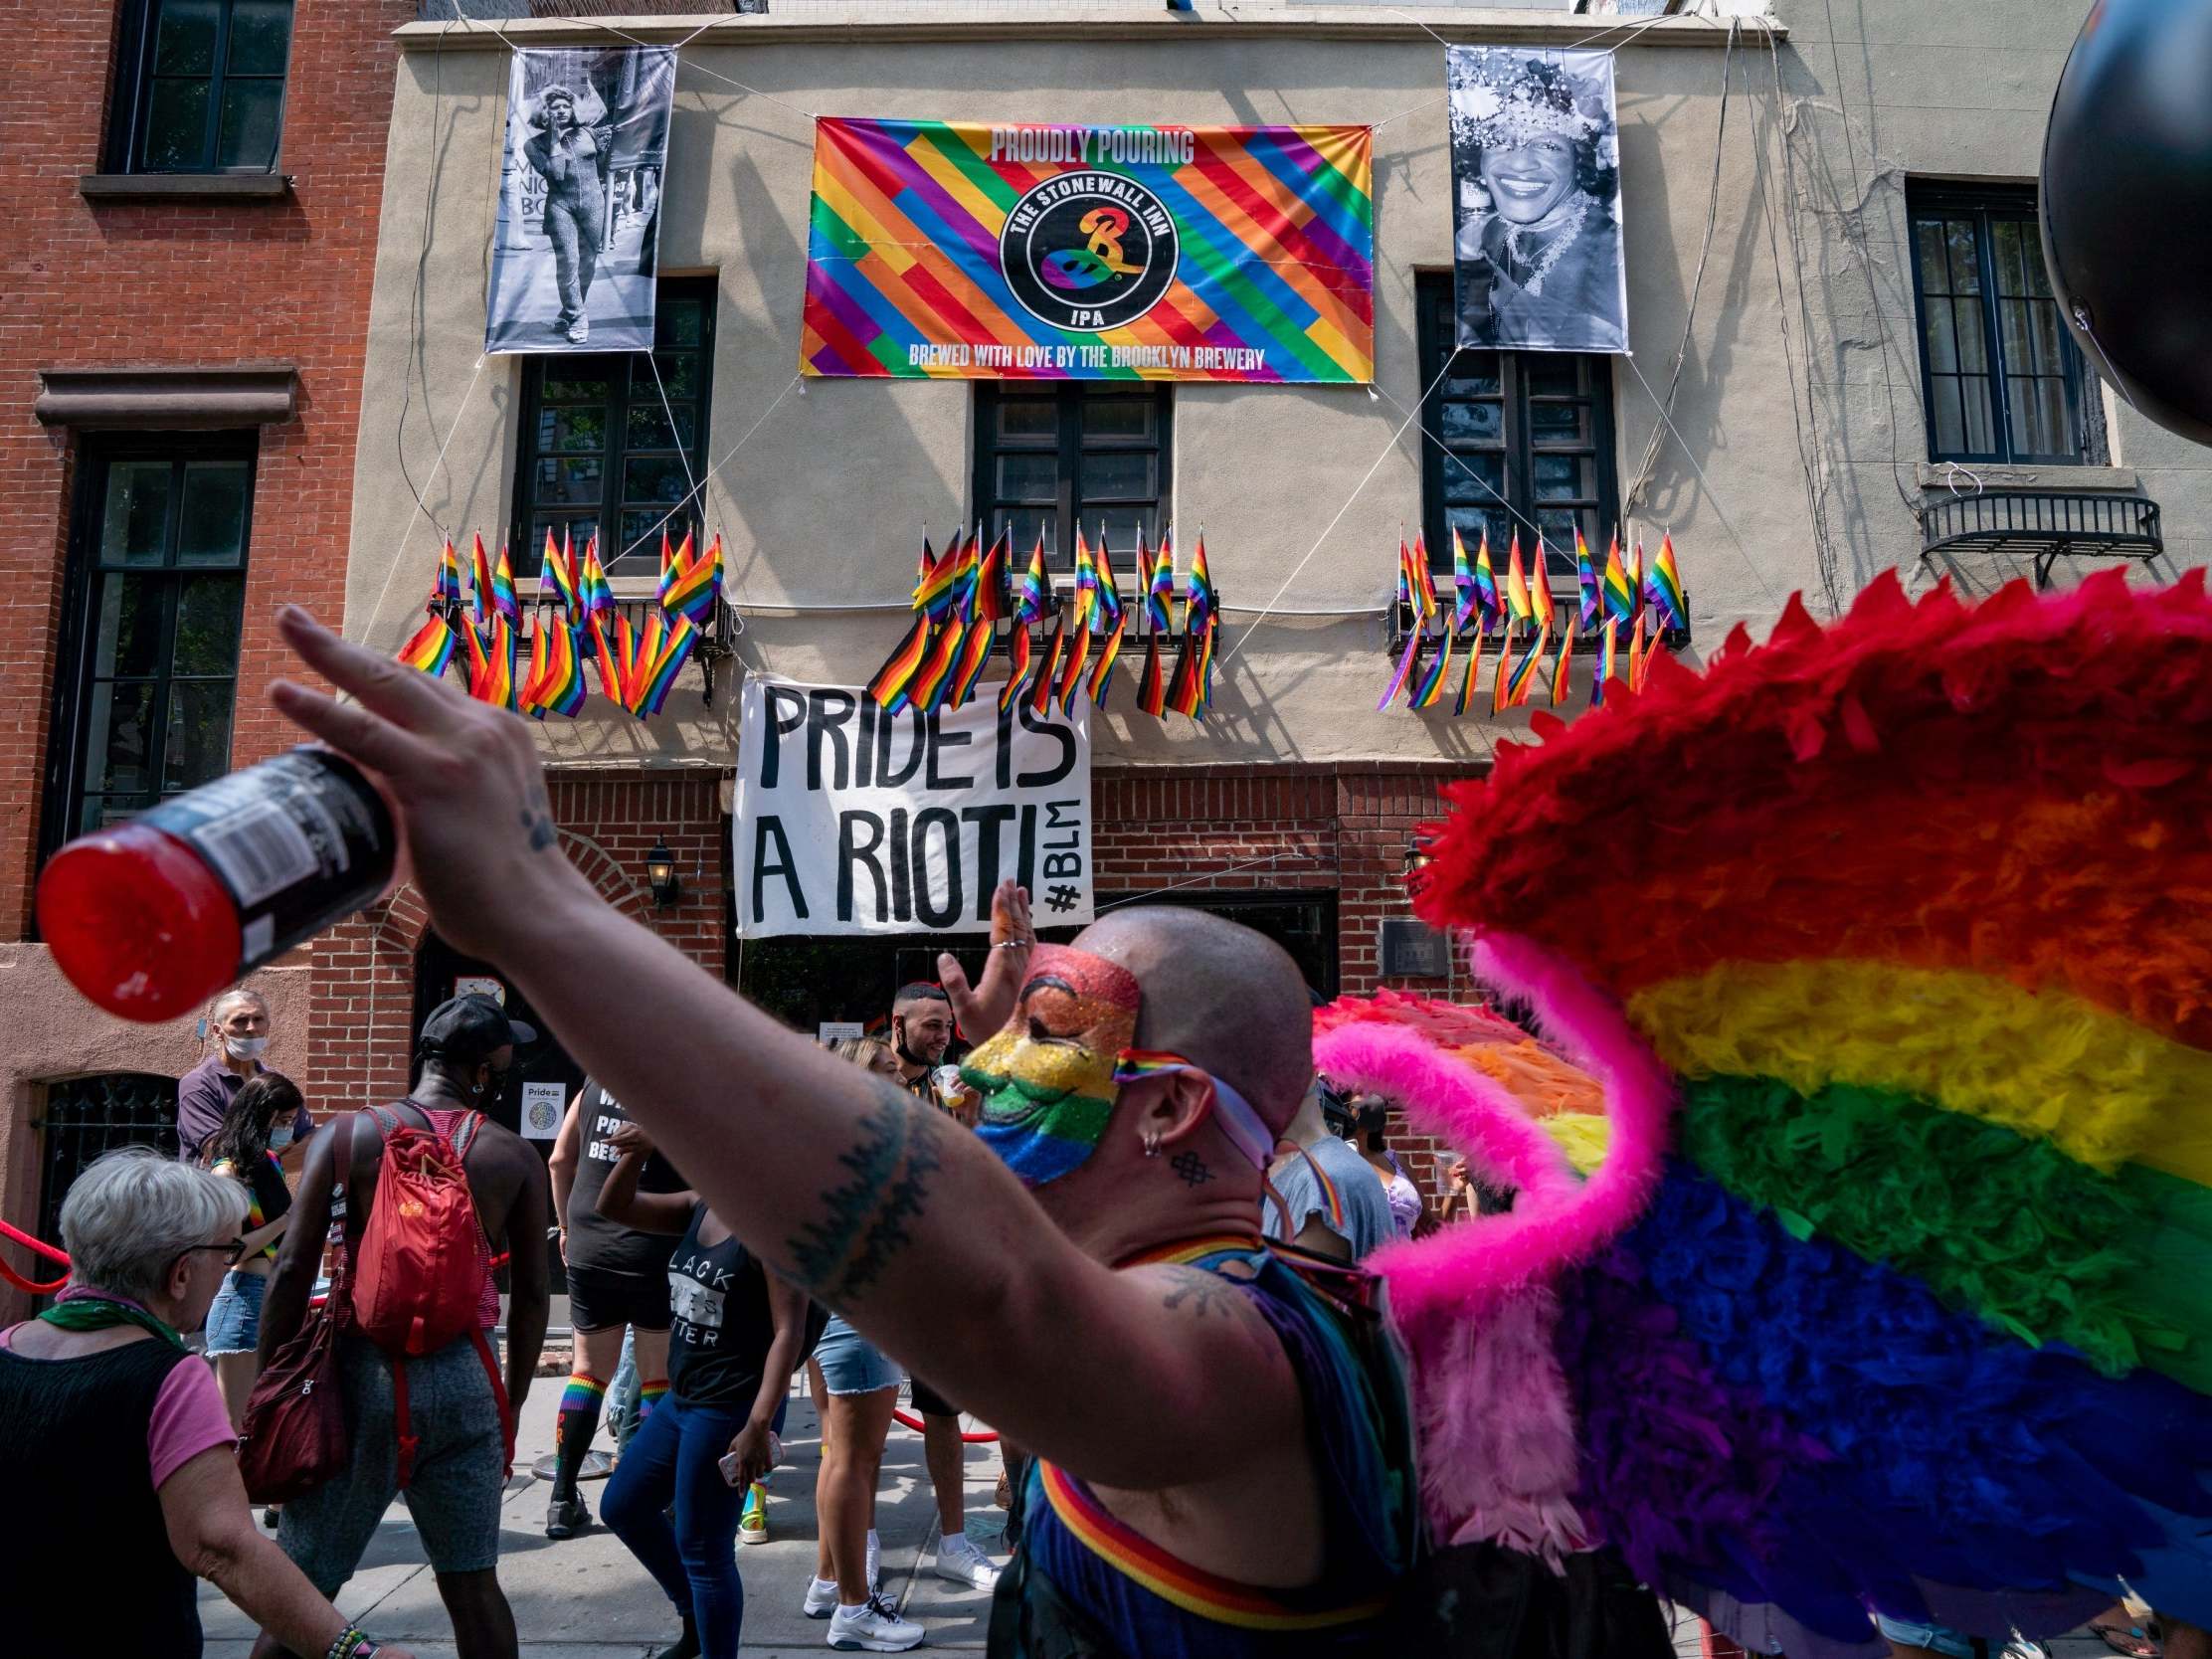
point(1474, 1302)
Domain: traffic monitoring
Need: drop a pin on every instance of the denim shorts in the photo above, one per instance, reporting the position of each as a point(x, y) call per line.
point(1933, 1637)
point(850, 1363)
point(234, 1321)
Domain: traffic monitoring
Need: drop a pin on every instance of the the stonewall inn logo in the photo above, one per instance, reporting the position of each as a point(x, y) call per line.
point(1088, 251)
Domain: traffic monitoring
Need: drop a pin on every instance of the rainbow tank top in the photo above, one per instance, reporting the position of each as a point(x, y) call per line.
point(1137, 1595)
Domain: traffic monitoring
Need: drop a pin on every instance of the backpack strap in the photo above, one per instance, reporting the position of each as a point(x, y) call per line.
point(464, 1134)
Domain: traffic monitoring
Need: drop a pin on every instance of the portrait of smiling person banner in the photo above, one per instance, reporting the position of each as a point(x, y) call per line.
point(1535, 177)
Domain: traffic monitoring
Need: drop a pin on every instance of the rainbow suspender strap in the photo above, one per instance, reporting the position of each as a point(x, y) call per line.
point(1231, 1110)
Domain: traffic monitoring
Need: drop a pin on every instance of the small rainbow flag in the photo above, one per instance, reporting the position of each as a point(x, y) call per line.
point(1430, 689)
point(1160, 582)
point(1202, 617)
point(446, 590)
point(1652, 654)
point(503, 588)
point(975, 650)
point(1464, 608)
point(1109, 588)
point(1466, 698)
point(480, 608)
point(1636, 655)
point(1604, 663)
point(1086, 583)
point(1635, 576)
point(658, 677)
point(1586, 579)
point(933, 680)
point(1185, 694)
point(598, 592)
point(1664, 585)
point(1618, 600)
point(1109, 655)
point(556, 581)
point(991, 579)
point(430, 648)
point(922, 572)
point(1404, 670)
point(1562, 675)
point(1152, 690)
point(1036, 597)
point(563, 691)
point(492, 663)
point(526, 694)
point(1424, 580)
point(966, 568)
point(1540, 588)
point(1486, 582)
point(1018, 667)
point(888, 684)
point(688, 586)
point(1500, 695)
point(1071, 666)
point(933, 596)
point(1040, 688)
point(1523, 682)
point(1520, 608)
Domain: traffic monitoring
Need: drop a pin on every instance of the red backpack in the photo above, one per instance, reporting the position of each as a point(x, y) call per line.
point(419, 1274)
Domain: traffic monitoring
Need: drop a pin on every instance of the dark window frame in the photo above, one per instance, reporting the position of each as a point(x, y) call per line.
point(67, 764)
point(1520, 446)
point(130, 114)
point(526, 541)
point(1067, 446)
point(1986, 205)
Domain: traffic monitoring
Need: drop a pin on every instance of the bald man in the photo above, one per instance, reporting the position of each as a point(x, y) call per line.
point(1224, 1456)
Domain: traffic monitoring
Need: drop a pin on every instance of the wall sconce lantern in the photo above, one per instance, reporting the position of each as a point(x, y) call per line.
point(661, 875)
point(1417, 857)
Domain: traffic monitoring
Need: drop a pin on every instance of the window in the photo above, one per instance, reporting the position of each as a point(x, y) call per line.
point(603, 453)
point(2004, 382)
point(1513, 439)
point(201, 85)
point(159, 583)
point(1049, 457)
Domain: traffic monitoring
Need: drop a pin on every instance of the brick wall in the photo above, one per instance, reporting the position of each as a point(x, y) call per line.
point(364, 969)
point(1256, 828)
point(180, 283)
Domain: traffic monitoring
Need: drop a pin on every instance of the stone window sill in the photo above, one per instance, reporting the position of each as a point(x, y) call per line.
point(117, 187)
point(1938, 476)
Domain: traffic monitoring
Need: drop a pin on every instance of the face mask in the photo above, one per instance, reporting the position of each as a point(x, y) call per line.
point(279, 1137)
point(244, 1049)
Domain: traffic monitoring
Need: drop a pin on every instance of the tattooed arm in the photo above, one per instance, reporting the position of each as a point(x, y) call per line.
point(832, 1176)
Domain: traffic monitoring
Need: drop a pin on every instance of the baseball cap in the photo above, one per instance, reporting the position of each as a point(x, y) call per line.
point(466, 1029)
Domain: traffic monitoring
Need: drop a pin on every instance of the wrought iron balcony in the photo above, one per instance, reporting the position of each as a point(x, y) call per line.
point(2044, 525)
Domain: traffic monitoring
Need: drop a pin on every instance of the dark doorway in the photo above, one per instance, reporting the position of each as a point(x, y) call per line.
point(1304, 924)
point(440, 971)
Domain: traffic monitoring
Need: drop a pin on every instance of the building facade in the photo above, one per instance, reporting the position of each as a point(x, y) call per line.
point(191, 206)
point(1846, 361)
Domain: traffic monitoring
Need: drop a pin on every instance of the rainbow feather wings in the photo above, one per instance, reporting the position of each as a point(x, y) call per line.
point(1889, 1287)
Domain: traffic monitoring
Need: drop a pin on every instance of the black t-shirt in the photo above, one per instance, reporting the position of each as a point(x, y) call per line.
point(595, 1242)
point(720, 1328)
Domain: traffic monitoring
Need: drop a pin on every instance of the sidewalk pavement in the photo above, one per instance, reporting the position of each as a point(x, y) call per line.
point(587, 1599)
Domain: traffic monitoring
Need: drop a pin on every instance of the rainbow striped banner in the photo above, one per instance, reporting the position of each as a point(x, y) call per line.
point(952, 249)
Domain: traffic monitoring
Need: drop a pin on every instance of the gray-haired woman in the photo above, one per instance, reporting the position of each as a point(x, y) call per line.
point(117, 1435)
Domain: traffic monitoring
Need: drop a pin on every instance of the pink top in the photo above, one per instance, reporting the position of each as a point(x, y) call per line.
point(188, 1414)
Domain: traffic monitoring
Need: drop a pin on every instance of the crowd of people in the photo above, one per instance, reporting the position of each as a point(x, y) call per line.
point(1077, 1234)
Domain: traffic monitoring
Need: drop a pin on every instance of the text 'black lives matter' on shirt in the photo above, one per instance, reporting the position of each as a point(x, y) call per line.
point(721, 1329)
point(595, 1242)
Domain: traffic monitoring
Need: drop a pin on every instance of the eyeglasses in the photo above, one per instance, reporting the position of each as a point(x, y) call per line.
point(231, 1251)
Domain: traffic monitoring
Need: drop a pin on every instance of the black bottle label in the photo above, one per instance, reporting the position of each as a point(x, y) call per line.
point(298, 842)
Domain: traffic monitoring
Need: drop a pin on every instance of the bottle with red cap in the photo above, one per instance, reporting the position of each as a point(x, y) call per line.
point(150, 918)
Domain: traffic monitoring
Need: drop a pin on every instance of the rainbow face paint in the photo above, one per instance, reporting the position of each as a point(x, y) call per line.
point(1047, 1081)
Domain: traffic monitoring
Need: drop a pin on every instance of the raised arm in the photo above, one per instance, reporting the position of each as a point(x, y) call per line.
point(560, 1165)
point(981, 1010)
point(619, 1198)
point(831, 1176)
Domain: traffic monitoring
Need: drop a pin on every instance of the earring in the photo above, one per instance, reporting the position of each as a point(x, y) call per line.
point(1151, 1143)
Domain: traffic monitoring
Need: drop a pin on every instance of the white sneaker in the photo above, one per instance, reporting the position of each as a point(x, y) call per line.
point(875, 1563)
point(872, 1627)
point(822, 1599)
point(962, 1559)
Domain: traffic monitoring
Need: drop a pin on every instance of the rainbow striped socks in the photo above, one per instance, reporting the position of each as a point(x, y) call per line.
point(651, 1395)
point(573, 1430)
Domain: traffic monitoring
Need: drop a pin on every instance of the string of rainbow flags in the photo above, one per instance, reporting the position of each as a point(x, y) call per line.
point(1616, 599)
point(963, 593)
point(574, 609)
